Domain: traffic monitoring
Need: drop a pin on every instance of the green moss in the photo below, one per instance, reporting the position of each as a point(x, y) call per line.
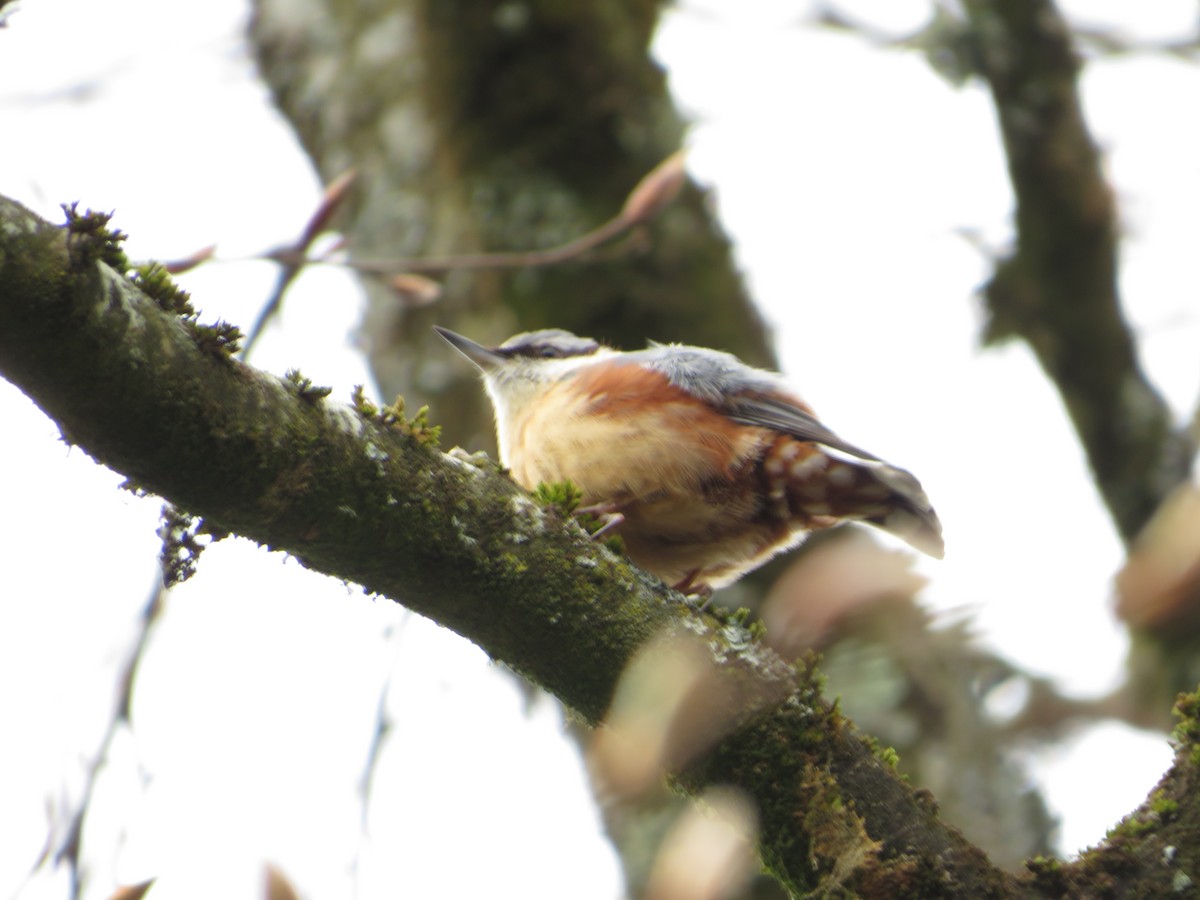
point(363, 406)
point(1157, 811)
point(513, 564)
point(886, 755)
point(418, 427)
point(1043, 865)
point(795, 739)
point(220, 339)
point(393, 417)
point(565, 496)
point(90, 240)
point(739, 618)
point(1187, 711)
point(806, 670)
point(305, 389)
point(156, 283)
point(1131, 826)
point(1163, 806)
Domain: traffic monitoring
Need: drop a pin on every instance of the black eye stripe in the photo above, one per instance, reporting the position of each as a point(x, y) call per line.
point(532, 352)
point(550, 343)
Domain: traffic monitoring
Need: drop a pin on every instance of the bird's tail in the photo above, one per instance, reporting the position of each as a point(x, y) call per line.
point(908, 514)
point(825, 486)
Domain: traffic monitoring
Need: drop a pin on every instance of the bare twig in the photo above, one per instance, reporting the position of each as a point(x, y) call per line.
point(191, 261)
point(654, 192)
point(66, 851)
point(379, 736)
point(292, 256)
point(407, 276)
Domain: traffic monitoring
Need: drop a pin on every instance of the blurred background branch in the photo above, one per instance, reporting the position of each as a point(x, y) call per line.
point(1058, 290)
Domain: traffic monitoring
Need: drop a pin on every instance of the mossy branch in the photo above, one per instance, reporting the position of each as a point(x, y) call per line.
point(360, 498)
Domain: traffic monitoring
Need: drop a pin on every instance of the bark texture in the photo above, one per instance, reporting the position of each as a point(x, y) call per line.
point(375, 503)
point(371, 500)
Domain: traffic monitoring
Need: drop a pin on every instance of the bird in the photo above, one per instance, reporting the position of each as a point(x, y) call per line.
point(705, 466)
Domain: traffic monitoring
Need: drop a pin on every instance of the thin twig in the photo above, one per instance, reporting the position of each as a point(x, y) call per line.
point(67, 850)
point(379, 734)
point(647, 199)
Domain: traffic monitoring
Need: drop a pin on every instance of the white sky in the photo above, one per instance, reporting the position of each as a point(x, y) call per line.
point(258, 697)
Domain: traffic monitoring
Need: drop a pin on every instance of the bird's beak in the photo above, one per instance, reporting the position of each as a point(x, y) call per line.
point(477, 353)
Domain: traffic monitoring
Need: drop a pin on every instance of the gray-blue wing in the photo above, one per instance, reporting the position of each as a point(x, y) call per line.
point(779, 414)
point(754, 397)
point(747, 395)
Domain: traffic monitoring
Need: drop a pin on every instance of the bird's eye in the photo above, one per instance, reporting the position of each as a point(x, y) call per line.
point(548, 353)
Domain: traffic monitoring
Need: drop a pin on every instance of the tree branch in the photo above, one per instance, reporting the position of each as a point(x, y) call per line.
point(1058, 291)
point(354, 497)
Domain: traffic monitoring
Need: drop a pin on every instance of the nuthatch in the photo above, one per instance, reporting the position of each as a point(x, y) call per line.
point(706, 466)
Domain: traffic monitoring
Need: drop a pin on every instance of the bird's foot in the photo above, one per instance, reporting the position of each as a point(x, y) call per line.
point(700, 594)
point(609, 515)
